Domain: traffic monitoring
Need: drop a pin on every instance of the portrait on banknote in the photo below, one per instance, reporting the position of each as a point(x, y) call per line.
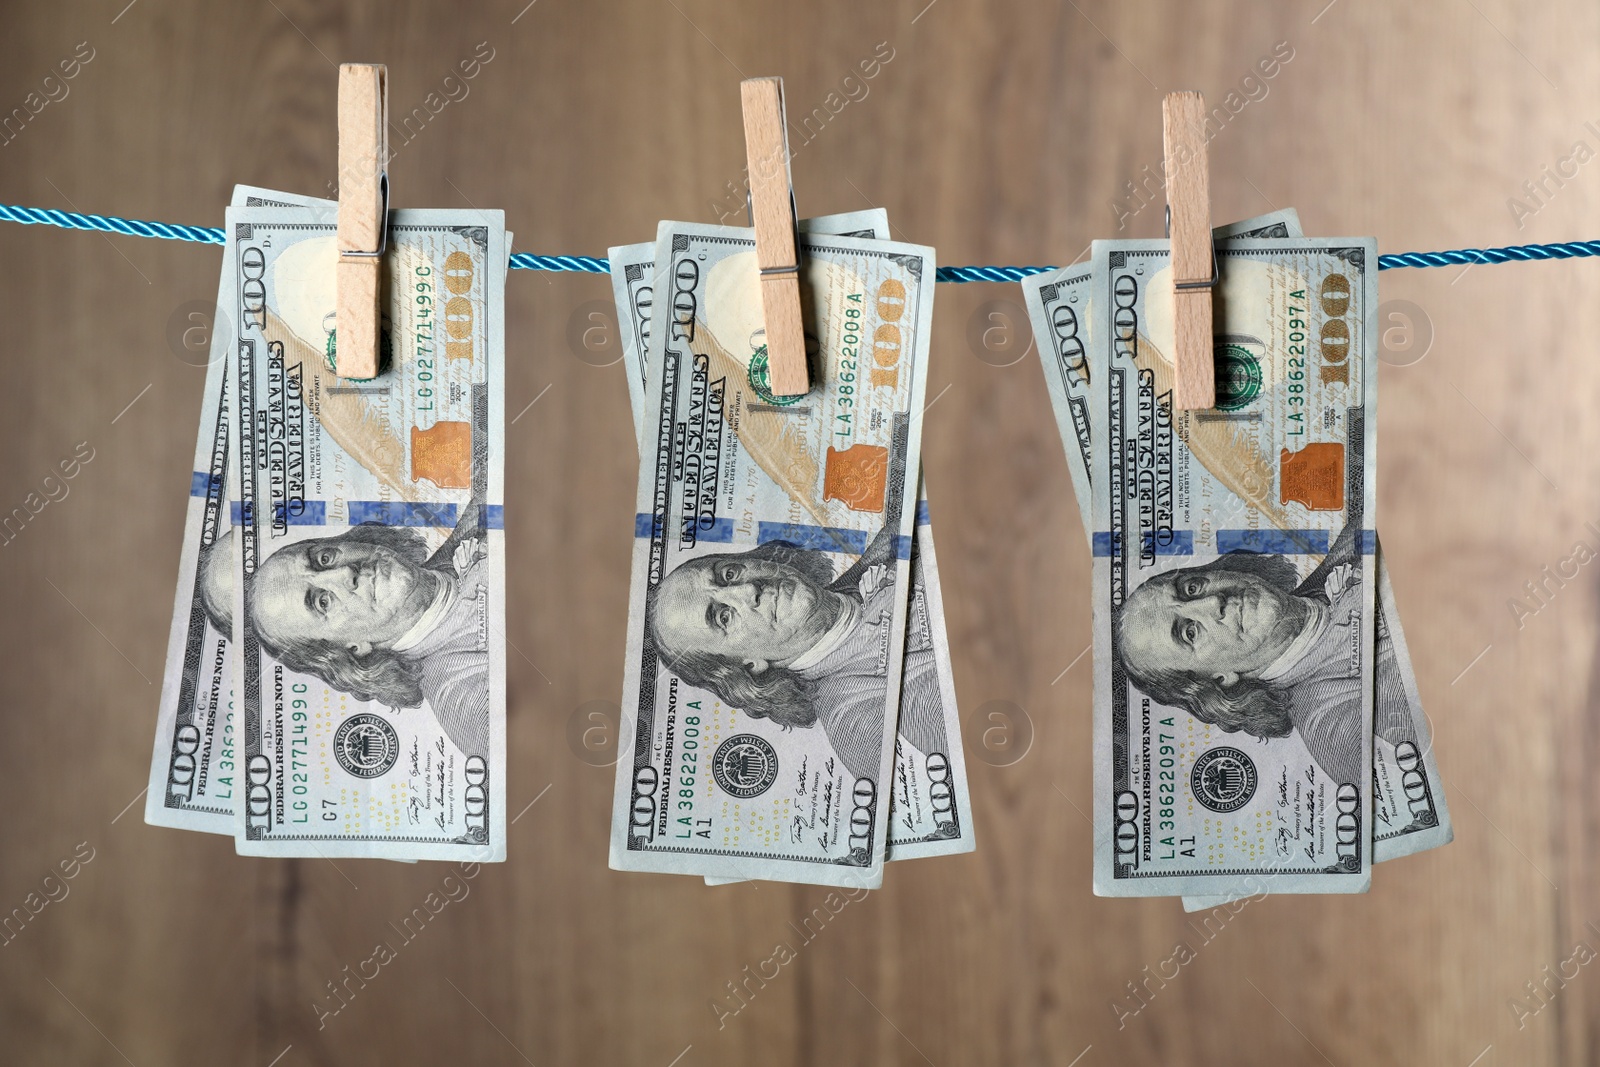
point(375, 613)
point(1244, 644)
point(775, 633)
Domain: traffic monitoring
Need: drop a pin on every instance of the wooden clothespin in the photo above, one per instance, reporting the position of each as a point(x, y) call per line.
point(772, 213)
point(1194, 257)
point(363, 215)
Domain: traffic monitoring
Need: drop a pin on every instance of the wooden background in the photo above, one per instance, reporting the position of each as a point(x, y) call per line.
point(1000, 134)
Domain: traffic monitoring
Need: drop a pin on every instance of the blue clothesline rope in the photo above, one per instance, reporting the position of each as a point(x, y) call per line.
point(212, 235)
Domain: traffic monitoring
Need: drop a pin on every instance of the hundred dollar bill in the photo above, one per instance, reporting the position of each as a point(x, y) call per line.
point(369, 604)
point(194, 767)
point(1411, 814)
point(929, 812)
point(1410, 810)
point(767, 627)
point(1234, 575)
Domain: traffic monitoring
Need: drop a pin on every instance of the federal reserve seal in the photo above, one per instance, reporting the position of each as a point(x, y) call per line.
point(366, 745)
point(330, 347)
point(761, 381)
point(1223, 779)
point(744, 766)
point(1238, 376)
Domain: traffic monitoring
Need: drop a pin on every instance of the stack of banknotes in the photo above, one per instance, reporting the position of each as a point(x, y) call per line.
point(335, 675)
point(1257, 727)
point(788, 710)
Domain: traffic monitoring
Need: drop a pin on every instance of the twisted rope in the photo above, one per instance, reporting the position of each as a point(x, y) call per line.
point(587, 264)
point(988, 274)
point(1521, 253)
point(212, 235)
point(73, 220)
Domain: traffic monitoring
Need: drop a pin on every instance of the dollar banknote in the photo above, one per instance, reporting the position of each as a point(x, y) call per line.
point(766, 636)
point(929, 808)
point(930, 811)
point(368, 606)
point(1410, 810)
point(194, 774)
point(1234, 575)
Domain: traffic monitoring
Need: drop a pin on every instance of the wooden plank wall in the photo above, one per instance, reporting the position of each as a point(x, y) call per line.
point(1000, 133)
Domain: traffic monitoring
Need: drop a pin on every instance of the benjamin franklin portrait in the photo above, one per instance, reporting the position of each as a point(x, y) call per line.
point(773, 632)
point(372, 613)
point(1242, 644)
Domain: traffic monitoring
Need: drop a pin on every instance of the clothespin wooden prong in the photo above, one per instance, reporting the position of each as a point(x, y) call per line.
point(766, 145)
point(1194, 257)
point(363, 215)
